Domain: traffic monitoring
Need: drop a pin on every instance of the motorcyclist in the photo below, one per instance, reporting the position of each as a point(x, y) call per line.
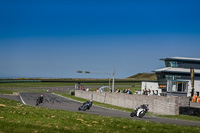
point(142, 110)
point(143, 106)
point(86, 105)
point(41, 98)
point(89, 103)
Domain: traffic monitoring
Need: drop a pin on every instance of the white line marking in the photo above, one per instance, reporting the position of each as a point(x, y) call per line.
point(21, 99)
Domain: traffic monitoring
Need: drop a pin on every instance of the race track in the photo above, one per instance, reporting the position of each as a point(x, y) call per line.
point(57, 102)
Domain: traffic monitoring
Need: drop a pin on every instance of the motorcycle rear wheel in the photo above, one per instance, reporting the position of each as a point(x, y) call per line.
point(132, 114)
point(37, 102)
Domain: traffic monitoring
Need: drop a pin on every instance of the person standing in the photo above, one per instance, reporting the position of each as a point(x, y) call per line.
point(194, 98)
point(198, 99)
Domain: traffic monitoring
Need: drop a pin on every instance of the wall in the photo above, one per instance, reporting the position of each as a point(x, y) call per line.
point(157, 104)
point(193, 109)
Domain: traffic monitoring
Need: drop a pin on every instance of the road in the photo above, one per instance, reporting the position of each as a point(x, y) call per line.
point(57, 102)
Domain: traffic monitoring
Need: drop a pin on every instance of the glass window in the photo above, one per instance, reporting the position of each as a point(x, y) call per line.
point(167, 64)
point(182, 64)
point(177, 86)
point(185, 86)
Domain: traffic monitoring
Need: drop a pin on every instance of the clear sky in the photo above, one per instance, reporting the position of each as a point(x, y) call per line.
point(57, 38)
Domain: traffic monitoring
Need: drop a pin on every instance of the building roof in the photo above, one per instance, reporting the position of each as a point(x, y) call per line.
point(182, 59)
point(177, 70)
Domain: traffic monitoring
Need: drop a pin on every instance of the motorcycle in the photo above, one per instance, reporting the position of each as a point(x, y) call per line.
point(140, 111)
point(39, 100)
point(85, 106)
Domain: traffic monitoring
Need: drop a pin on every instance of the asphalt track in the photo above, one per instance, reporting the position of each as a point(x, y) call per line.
point(57, 102)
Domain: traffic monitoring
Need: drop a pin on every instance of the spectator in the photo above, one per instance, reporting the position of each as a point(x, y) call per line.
point(194, 98)
point(125, 91)
point(154, 92)
point(117, 91)
point(145, 92)
point(95, 89)
point(149, 92)
point(129, 91)
point(198, 99)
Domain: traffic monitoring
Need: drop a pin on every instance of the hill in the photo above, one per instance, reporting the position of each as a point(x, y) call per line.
point(144, 76)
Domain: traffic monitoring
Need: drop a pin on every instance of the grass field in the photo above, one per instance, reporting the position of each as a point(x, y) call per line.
point(35, 84)
point(15, 86)
point(18, 118)
point(57, 84)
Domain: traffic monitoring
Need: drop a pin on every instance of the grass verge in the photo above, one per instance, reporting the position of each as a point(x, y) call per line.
point(18, 118)
point(37, 84)
point(3, 91)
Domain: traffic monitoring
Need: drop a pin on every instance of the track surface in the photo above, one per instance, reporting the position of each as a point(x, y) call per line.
point(57, 102)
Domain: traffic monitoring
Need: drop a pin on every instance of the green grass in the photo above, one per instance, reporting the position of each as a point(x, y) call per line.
point(3, 91)
point(37, 84)
point(182, 117)
point(18, 118)
point(56, 84)
point(11, 91)
point(29, 85)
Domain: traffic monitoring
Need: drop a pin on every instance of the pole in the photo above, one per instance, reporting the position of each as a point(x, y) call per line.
point(109, 82)
point(192, 80)
point(113, 83)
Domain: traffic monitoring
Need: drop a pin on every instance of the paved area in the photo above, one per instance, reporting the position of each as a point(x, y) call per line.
point(57, 102)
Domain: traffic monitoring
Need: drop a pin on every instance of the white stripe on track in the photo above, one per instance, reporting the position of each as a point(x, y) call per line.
point(21, 99)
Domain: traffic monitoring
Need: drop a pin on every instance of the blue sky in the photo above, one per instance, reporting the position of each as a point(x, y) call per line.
point(57, 38)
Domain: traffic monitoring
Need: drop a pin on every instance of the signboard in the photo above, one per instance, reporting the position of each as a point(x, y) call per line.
point(192, 77)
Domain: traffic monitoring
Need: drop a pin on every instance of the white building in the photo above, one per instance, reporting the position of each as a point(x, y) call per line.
point(175, 78)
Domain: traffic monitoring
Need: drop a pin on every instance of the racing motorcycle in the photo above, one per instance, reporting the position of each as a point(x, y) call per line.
point(140, 111)
point(39, 100)
point(85, 106)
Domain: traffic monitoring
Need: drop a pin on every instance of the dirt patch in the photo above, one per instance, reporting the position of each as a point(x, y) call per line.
point(15, 93)
point(2, 105)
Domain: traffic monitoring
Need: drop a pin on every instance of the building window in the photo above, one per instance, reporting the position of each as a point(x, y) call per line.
point(182, 64)
point(177, 86)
